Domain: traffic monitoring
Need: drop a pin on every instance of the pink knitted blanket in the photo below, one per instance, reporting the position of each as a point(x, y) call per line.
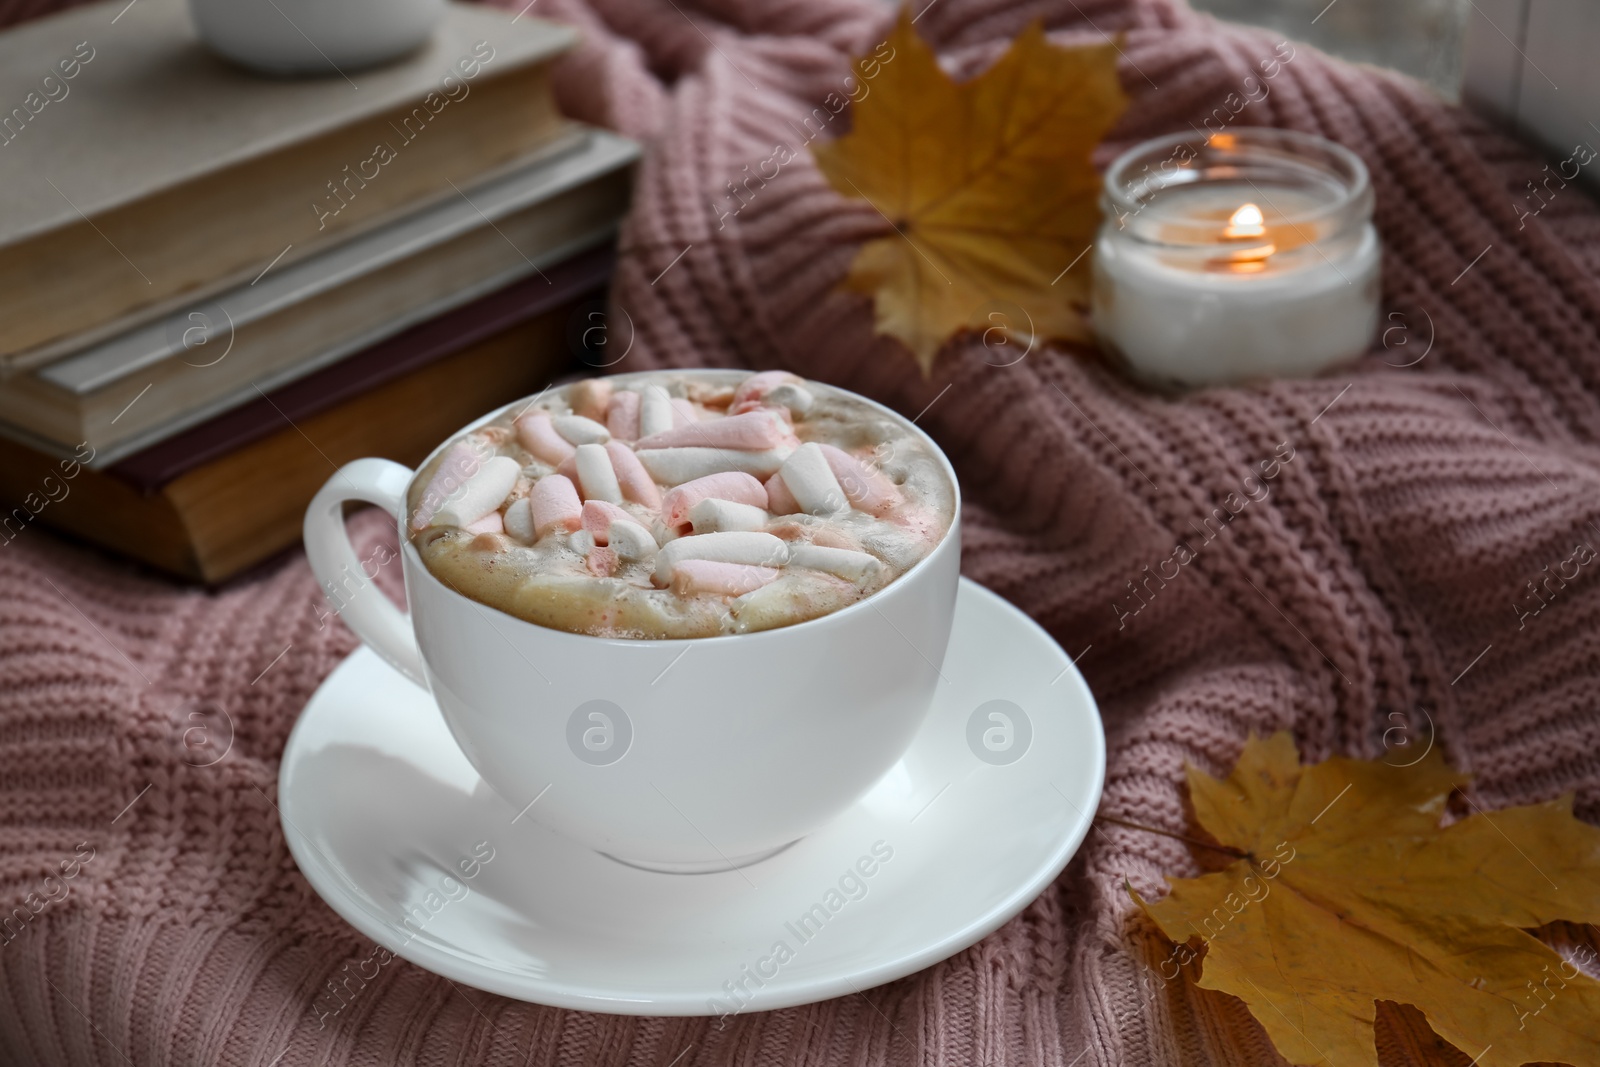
point(1425, 551)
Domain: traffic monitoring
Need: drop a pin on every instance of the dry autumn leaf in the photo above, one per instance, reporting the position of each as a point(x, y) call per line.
point(1354, 894)
point(988, 184)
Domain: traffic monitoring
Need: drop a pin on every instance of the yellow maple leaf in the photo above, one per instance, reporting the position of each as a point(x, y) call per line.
point(988, 186)
point(1351, 893)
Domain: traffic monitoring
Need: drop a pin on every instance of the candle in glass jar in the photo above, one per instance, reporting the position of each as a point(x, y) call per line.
point(1236, 256)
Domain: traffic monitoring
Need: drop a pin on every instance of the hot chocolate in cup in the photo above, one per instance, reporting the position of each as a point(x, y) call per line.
point(682, 753)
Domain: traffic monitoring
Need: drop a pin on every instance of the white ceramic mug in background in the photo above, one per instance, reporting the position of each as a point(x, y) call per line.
point(304, 37)
point(689, 754)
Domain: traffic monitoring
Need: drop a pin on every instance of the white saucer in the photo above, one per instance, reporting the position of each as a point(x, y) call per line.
point(385, 817)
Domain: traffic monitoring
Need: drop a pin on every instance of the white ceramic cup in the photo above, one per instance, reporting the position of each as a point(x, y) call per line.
point(694, 754)
point(303, 37)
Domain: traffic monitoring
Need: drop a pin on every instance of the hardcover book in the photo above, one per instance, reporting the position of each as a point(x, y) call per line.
point(156, 378)
point(139, 168)
point(227, 494)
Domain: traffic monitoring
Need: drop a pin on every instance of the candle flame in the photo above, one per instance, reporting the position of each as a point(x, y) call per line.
point(1246, 222)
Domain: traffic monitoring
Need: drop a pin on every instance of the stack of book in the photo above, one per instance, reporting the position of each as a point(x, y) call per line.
point(216, 287)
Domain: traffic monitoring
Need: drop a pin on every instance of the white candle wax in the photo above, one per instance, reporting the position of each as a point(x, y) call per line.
point(1285, 297)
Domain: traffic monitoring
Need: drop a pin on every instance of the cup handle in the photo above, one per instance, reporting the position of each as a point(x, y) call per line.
point(370, 614)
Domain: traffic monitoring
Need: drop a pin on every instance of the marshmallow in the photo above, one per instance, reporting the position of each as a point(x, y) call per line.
point(632, 541)
point(655, 411)
point(490, 523)
point(674, 466)
point(736, 486)
point(797, 398)
point(484, 492)
point(579, 430)
point(751, 432)
point(519, 520)
point(635, 481)
point(554, 504)
point(712, 516)
point(598, 515)
point(537, 434)
point(596, 479)
point(590, 398)
point(844, 562)
point(757, 386)
point(461, 461)
point(779, 500)
point(864, 488)
point(683, 412)
point(725, 579)
point(760, 549)
point(785, 530)
point(809, 478)
point(622, 416)
point(662, 532)
point(607, 524)
point(774, 605)
point(601, 561)
point(568, 468)
point(719, 396)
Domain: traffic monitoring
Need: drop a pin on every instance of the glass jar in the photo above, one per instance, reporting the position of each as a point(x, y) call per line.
point(1243, 254)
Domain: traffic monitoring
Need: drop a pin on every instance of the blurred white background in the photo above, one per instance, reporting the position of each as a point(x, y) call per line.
point(1422, 38)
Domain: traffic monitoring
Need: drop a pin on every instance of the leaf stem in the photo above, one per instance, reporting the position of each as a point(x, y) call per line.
point(1235, 853)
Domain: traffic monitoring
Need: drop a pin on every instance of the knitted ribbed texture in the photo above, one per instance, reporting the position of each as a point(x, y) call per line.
point(1383, 575)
